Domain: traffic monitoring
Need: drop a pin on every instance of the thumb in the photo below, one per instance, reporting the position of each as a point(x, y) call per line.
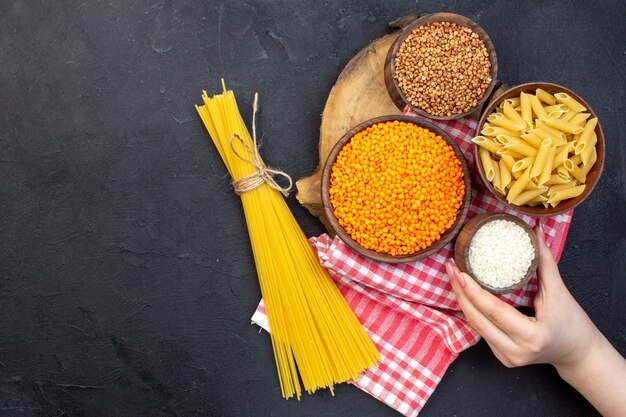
point(548, 272)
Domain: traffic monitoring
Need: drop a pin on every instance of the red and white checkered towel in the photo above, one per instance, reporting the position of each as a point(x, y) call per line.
point(409, 310)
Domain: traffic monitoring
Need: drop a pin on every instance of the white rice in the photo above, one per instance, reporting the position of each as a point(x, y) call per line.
point(500, 253)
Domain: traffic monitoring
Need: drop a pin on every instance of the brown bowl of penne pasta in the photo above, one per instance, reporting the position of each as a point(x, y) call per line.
point(539, 148)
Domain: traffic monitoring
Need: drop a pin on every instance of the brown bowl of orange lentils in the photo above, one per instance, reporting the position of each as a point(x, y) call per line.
point(396, 189)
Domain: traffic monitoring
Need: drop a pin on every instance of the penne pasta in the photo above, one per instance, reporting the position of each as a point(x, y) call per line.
point(525, 196)
point(533, 185)
point(563, 186)
point(510, 152)
point(572, 104)
point(580, 119)
point(522, 164)
point(513, 101)
point(557, 107)
point(592, 160)
point(555, 114)
point(508, 161)
point(586, 136)
point(526, 110)
point(546, 167)
point(565, 193)
point(564, 126)
point(560, 156)
point(555, 180)
point(497, 130)
point(540, 160)
point(563, 173)
point(537, 108)
point(557, 136)
point(487, 163)
point(514, 116)
point(503, 121)
point(496, 177)
point(488, 144)
point(518, 186)
point(503, 139)
point(546, 97)
point(537, 200)
point(589, 147)
point(574, 170)
point(494, 116)
point(505, 174)
point(521, 147)
point(576, 159)
point(542, 134)
point(568, 115)
point(532, 139)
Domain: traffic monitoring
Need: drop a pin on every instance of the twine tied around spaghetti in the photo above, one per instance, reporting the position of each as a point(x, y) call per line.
point(264, 174)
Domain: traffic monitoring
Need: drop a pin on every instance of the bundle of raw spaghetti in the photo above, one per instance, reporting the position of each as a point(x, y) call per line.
point(314, 332)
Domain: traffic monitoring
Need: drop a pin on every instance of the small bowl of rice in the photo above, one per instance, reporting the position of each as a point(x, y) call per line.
point(499, 251)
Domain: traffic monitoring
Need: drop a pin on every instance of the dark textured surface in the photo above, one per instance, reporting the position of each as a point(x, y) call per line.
point(126, 277)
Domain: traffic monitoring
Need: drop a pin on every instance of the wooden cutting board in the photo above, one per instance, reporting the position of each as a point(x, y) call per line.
point(358, 95)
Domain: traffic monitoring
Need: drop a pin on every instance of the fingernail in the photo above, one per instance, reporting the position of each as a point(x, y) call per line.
point(540, 233)
point(454, 273)
point(449, 269)
point(459, 278)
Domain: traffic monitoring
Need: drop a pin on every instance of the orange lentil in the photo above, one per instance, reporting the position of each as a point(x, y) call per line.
point(396, 187)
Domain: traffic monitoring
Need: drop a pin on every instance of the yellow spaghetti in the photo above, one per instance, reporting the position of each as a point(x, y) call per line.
point(315, 336)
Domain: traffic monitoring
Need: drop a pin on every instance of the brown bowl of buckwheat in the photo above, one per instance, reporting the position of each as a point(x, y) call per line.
point(443, 66)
